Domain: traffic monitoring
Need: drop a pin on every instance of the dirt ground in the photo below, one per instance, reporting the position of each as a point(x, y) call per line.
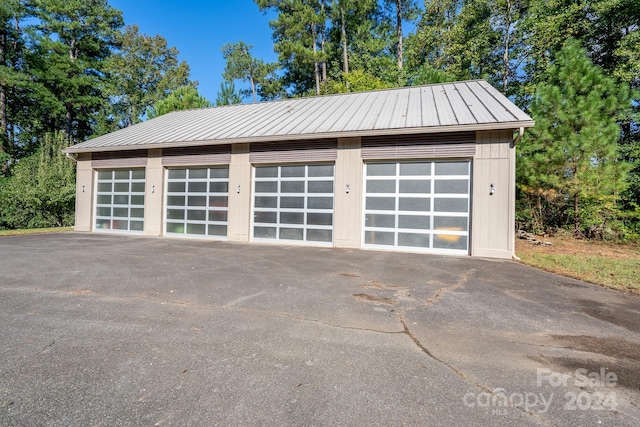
point(567, 245)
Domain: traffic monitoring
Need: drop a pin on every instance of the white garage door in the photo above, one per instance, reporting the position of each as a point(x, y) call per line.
point(294, 203)
point(420, 206)
point(120, 200)
point(197, 201)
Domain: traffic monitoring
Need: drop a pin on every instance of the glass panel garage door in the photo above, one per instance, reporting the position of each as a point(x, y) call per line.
point(197, 201)
point(120, 200)
point(417, 206)
point(294, 203)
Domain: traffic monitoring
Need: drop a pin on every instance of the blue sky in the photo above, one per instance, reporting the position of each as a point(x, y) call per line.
point(199, 28)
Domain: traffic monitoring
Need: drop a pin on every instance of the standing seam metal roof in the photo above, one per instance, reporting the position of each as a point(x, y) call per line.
point(449, 107)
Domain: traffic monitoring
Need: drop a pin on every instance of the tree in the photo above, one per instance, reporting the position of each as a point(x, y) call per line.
point(355, 81)
point(10, 14)
point(404, 9)
point(362, 31)
point(18, 88)
point(508, 17)
point(241, 65)
point(470, 40)
point(227, 95)
point(431, 42)
point(143, 70)
point(572, 154)
point(41, 190)
point(74, 37)
point(183, 98)
point(299, 35)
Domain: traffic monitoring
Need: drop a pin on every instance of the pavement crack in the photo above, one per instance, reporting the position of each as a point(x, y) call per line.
point(463, 279)
point(459, 372)
point(425, 350)
point(229, 307)
point(304, 319)
point(46, 347)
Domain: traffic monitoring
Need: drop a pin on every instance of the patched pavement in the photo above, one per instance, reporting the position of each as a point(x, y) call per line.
point(115, 330)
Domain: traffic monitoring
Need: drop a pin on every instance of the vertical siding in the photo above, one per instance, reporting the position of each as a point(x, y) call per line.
point(84, 194)
point(154, 194)
point(239, 202)
point(493, 216)
point(347, 218)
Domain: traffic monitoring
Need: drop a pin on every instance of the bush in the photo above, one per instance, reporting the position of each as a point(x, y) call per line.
point(40, 191)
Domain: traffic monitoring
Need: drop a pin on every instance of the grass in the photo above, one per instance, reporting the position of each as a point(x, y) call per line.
point(34, 231)
point(613, 265)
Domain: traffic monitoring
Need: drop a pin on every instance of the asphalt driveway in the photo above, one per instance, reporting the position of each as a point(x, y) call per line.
point(114, 330)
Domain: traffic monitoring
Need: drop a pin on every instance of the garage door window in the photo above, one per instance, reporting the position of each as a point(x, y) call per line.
point(417, 205)
point(197, 201)
point(120, 200)
point(294, 203)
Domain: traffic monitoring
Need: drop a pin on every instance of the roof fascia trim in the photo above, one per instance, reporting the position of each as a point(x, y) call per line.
point(298, 137)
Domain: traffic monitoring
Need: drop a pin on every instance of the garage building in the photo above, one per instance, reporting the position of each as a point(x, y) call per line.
point(428, 169)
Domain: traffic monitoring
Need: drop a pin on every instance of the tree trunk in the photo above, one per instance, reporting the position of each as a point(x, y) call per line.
point(73, 56)
point(576, 216)
point(73, 52)
point(3, 93)
point(316, 69)
point(4, 125)
point(345, 55)
point(253, 90)
point(322, 41)
point(69, 120)
point(539, 209)
point(399, 24)
point(505, 56)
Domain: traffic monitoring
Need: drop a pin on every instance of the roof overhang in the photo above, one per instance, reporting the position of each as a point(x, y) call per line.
point(311, 136)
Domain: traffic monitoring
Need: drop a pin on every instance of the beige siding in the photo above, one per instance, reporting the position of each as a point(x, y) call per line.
point(239, 194)
point(493, 215)
point(154, 191)
point(348, 206)
point(84, 194)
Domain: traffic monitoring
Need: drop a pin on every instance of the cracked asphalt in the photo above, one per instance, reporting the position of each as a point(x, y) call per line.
point(115, 330)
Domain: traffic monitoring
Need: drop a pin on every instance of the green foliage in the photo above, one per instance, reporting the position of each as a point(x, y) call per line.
point(571, 157)
point(68, 65)
point(72, 40)
point(41, 189)
point(299, 35)
point(183, 98)
point(227, 95)
point(241, 65)
point(428, 74)
point(142, 71)
point(355, 81)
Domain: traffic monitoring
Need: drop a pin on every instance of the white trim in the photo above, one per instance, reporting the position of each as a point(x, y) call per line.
point(431, 214)
point(112, 205)
point(278, 210)
point(185, 221)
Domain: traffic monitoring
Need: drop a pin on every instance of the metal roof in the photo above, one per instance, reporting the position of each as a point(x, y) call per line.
point(449, 107)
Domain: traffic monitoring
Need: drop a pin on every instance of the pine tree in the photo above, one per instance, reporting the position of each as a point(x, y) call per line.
point(241, 65)
point(299, 35)
point(74, 38)
point(573, 151)
point(183, 98)
point(227, 95)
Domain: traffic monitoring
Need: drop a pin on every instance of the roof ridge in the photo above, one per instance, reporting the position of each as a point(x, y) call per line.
point(327, 95)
